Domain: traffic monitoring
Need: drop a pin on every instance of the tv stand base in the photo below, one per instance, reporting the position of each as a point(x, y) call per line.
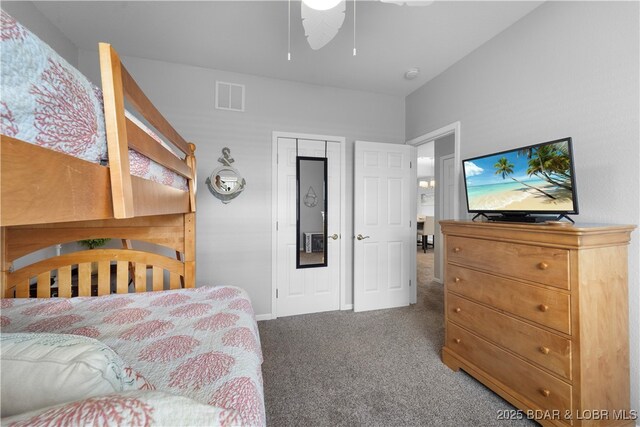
point(522, 217)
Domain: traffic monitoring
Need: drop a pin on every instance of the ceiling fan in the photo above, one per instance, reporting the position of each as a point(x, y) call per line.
point(322, 19)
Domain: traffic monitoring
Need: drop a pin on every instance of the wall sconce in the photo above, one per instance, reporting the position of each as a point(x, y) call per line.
point(428, 184)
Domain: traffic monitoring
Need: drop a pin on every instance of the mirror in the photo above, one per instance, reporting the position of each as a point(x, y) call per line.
point(311, 175)
point(225, 182)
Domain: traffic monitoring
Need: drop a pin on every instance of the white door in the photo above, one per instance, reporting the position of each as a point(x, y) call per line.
point(447, 200)
point(383, 241)
point(308, 290)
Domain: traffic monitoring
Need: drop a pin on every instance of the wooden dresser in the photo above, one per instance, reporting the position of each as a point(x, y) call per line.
point(539, 314)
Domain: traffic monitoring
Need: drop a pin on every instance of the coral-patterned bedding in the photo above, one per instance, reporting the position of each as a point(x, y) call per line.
point(202, 343)
point(47, 102)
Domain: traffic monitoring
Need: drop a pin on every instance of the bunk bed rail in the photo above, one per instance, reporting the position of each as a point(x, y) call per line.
point(94, 273)
point(123, 133)
point(101, 271)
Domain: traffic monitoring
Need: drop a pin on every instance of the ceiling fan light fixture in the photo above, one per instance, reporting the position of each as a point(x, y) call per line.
point(321, 4)
point(321, 26)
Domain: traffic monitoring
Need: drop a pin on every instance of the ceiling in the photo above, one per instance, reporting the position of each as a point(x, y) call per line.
point(251, 37)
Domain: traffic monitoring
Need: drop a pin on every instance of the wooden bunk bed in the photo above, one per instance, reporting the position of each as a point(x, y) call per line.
point(198, 343)
point(49, 198)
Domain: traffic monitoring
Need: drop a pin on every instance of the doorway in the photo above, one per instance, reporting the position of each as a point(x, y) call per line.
point(446, 143)
point(317, 287)
point(425, 213)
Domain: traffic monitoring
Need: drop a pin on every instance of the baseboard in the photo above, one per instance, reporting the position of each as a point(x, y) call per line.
point(260, 317)
point(347, 307)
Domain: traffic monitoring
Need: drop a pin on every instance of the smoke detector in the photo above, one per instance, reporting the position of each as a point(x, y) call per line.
point(411, 73)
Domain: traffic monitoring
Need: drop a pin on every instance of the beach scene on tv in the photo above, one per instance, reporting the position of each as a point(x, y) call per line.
point(535, 178)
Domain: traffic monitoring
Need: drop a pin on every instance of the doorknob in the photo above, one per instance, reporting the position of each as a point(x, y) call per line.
point(334, 236)
point(361, 237)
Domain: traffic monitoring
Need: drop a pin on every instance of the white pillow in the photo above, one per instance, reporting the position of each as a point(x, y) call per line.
point(40, 369)
point(140, 408)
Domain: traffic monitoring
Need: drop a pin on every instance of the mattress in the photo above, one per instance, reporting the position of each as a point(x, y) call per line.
point(202, 343)
point(47, 102)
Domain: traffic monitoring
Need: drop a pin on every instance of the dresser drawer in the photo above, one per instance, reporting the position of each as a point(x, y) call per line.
point(539, 264)
point(537, 345)
point(541, 388)
point(544, 306)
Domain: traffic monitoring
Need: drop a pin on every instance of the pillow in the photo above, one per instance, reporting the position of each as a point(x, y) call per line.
point(139, 408)
point(42, 369)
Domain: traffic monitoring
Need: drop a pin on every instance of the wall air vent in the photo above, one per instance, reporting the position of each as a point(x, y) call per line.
point(229, 96)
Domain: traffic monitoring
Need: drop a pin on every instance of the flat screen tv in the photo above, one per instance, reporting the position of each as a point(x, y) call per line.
point(524, 184)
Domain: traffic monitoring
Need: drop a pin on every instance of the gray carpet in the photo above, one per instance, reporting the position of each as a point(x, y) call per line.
point(378, 368)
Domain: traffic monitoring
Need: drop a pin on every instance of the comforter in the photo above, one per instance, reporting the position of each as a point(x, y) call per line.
point(201, 343)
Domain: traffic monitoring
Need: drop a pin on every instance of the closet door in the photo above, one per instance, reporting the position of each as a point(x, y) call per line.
point(306, 290)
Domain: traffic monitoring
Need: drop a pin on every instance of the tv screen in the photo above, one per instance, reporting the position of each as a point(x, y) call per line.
point(534, 179)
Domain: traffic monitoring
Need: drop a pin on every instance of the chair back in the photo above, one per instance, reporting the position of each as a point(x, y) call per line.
point(429, 226)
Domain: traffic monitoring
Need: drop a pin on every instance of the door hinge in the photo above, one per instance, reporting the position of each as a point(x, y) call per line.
point(276, 293)
point(410, 165)
point(409, 223)
point(276, 225)
point(409, 283)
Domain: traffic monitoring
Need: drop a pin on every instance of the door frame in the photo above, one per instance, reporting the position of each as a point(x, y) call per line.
point(441, 176)
point(274, 212)
point(423, 139)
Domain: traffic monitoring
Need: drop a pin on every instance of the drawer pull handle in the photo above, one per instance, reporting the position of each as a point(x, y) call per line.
point(456, 249)
point(545, 392)
point(456, 340)
point(457, 310)
point(544, 350)
point(543, 266)
point(457, 280)
point(543, 307)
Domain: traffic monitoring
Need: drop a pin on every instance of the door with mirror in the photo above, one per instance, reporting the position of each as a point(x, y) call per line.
point(308, 220)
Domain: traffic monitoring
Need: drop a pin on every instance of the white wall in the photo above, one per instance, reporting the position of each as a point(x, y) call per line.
point(427, 208)
point(234, 241)
point(29, 16)
point(566, 69)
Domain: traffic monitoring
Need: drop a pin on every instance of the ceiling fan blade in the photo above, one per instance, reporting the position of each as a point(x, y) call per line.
point(321, 26)
point(409, 2)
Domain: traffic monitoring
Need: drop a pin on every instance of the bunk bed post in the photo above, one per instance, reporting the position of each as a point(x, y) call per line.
point(5, 265)
point(190, 225)
point(116, 128)
point(190, 250)
point(191, 162)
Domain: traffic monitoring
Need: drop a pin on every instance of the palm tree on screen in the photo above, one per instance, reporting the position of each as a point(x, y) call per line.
point(505, 168)
point(550, 163)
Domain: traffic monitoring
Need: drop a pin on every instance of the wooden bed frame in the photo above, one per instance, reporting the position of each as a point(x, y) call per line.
point(48, 198)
